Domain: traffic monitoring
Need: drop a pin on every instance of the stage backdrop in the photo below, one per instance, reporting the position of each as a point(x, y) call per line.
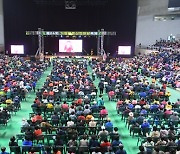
point(116, 15)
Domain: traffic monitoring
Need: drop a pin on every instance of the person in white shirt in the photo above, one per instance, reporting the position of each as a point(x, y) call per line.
point(83, 142)
point(71, 109)
point(103, 132)
point(24, 123)
point(70, 123)
point(96, 152)
point(21, 84)
point(92, 123)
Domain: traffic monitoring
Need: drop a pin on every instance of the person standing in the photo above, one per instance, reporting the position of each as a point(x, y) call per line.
point(34, 86)
point(101, 87)
point(93, 76)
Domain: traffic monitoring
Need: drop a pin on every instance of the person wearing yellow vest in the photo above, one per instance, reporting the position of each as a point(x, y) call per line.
point(168, 94)
point(9, 101)
point(49, 106)
point(168, 106)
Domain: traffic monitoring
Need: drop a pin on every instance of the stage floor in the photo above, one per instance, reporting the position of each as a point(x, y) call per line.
point(60, 56)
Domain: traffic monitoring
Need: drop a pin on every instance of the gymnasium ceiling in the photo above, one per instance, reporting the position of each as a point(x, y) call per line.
point(158, 9)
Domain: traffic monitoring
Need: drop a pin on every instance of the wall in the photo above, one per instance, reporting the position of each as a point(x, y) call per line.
point(1, 25)
point(148, 30)
point(116, 16)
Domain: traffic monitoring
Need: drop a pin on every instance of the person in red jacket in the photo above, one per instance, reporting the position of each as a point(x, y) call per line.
point(105, 143)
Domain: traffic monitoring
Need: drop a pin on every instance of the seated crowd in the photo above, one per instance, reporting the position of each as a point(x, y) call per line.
point(164, 64)
point(68, 116)
point(17, 78)
point(143, 104)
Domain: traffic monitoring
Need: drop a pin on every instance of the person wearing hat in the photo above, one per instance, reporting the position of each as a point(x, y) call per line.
point(130, 117)
point(89, 117)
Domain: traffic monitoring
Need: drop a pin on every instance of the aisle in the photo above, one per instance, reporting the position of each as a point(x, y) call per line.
point(13, 126)
point(130, 143)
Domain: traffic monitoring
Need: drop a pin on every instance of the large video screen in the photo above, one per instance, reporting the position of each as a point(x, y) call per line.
point(70, 46)
point(17, 49)
point(124, 50)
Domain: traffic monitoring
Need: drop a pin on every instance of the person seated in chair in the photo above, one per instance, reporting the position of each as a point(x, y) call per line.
point(121, 150)
point(46, 125)
point(142, 150)
point(140, 119)
point(103, 112)
point(155, 132)
point(24, 123)
point(109, 124)
point(83, 142)
point(103, 132)
point(3, 151)
point(56, 151)
point(58, 141)
point(105, 143)
point(94, 107)
point(13, 142)
point(27, 142)
point(55, 118)
point(149, 143)
point(145, 125)
point(116, 142)
point(37, 117)
point(89, 117)
point(37, 131)
point(157, 150)
point(94, 142)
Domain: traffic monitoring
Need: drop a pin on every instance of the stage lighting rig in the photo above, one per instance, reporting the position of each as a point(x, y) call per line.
point(70, 5)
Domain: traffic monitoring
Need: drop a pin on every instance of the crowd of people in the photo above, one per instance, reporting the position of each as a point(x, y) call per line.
point(142, 103)
point(68, 109)
point(17, 78)
point(69, 116)
point(164, 64)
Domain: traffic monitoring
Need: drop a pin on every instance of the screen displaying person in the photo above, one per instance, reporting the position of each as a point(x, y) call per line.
point(68, 47)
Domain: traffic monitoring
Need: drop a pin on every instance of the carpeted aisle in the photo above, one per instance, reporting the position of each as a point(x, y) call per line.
point(13, 126)
point(130, 143)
